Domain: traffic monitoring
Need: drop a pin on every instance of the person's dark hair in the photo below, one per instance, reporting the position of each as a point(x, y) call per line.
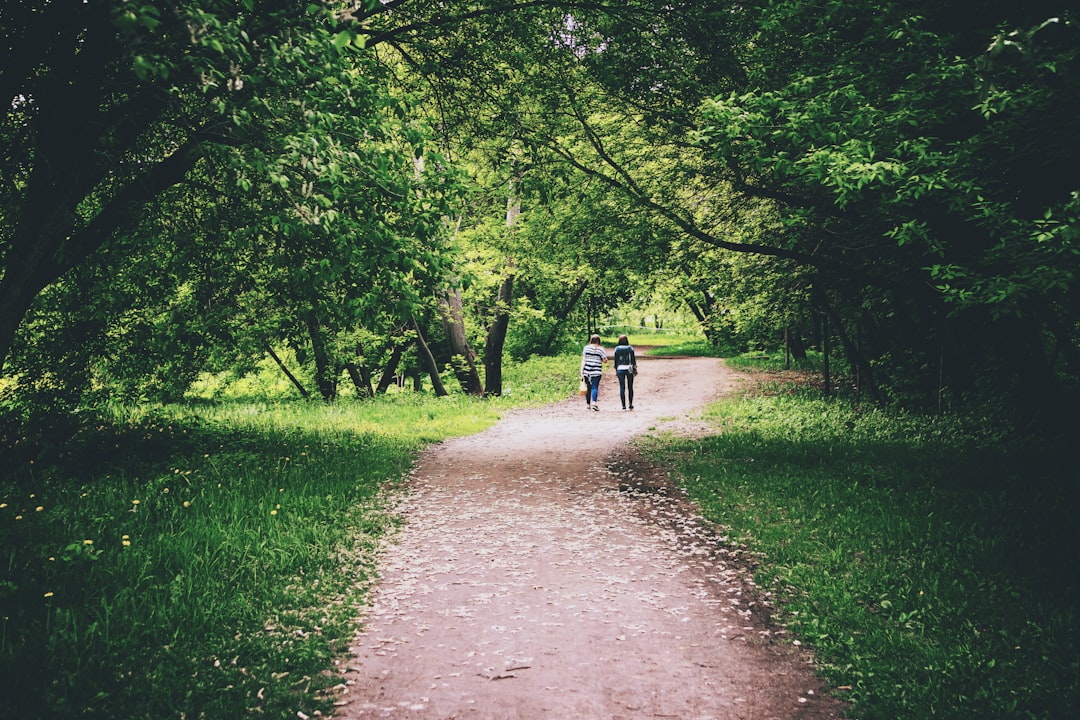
point(594, 339)
point(623, 340)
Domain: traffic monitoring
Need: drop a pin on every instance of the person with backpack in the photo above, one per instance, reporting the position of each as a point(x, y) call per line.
point(625, 370)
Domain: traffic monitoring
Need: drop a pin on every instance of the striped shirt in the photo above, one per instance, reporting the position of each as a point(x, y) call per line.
point(592, 360)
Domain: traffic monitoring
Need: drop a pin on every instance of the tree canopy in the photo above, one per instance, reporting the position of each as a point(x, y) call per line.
point(190, 184)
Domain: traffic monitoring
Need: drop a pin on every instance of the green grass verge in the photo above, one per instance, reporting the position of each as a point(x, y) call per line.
point(934, 571)
point(206, 560)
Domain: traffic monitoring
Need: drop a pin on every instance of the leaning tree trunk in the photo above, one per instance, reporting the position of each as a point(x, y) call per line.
point(292, 378)
point(464, 359)
point(388, 373)
point(427, 361)
point(46, 243)
point(856, 358)
point(568, 307)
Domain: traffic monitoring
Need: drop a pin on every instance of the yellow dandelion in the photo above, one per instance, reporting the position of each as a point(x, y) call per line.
point(3, 505)
point(135, 502)
point(187, 504)
point(18, 517)
point(39, 508)
point(125, 543)
point(166, 490)
point(273, 512)
point(52, 558)
point(49, 594)
point(87, 542)
point(176, 471)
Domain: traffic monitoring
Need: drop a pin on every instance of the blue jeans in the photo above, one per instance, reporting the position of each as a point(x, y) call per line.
point(626, 386)
point(594, 388)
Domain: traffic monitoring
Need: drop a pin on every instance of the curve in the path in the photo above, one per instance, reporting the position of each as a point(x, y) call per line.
point(532, 581)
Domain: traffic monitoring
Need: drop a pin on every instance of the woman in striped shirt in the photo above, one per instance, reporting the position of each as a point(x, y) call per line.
point(593, 358)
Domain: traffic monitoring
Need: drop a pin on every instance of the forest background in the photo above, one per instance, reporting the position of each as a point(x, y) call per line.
point(369, 192)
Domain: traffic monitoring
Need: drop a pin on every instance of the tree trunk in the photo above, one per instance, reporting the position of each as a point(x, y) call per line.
point(360, 374)
point(325, 377)
point(46, 244)
point(704, 315)
point(427, 361)
point(856, 358)
point(362, 385)
point(798, 347)
point(464, 359)
point(564, 313)
point(292, 378)
point(826, 375)
point(496, 337)
point(388, 373)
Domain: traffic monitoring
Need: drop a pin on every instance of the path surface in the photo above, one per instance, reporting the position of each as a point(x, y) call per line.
point(543, 572)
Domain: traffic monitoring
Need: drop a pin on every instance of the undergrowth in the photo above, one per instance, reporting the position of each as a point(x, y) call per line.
point(929, 562)
point(206, 559)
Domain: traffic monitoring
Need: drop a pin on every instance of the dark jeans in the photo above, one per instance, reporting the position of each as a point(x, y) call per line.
point(626, 386)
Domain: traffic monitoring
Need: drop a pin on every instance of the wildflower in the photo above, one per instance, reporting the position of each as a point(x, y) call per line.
point(39, 508)
point(3, 505)
point(135, 502)
point(52, 558)
point(187, 504)
point(49, 594)
point(273, 512)
point(87, 542)
point(125, 541)
point(18, 517)
point(166, 490)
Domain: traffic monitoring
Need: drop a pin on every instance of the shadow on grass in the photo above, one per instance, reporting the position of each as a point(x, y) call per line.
point(927, 570)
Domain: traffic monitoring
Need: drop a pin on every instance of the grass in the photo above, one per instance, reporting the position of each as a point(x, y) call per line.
point(931, 566)
point(209, 559)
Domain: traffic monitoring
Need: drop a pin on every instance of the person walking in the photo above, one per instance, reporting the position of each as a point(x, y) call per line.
point(593, 358)
point(625, 370)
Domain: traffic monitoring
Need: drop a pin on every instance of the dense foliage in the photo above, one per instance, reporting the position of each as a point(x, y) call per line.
point(190, 185)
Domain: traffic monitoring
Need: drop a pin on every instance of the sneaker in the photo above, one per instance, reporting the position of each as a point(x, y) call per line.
point(596, 408)
point(631, 407)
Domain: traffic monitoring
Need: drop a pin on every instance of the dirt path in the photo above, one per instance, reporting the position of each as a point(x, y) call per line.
point(544, 573)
